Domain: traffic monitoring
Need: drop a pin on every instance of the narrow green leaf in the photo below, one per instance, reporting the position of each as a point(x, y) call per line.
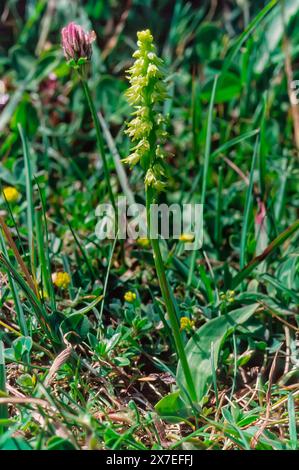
point(276, 243)
point(248, 205)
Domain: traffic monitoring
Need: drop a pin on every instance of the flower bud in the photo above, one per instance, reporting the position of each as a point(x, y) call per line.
point(76, 43)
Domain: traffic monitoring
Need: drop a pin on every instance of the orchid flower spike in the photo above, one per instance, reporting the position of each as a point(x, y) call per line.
point(147, 128)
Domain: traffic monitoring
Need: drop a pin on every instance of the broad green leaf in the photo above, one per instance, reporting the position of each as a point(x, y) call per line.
point(76, 323)
point(277, 242)
point(58, 443)
point(21, 346)
point(15, 443)
point(198, 348)
point(172, 407)
point(229, 87)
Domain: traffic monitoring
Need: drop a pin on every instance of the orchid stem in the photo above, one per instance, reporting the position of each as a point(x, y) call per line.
point(170, 307)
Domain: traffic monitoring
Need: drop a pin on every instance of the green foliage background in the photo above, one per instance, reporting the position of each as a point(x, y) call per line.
point(234, 148)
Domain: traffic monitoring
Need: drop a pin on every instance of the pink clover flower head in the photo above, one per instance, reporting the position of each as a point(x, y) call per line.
point(76, 43)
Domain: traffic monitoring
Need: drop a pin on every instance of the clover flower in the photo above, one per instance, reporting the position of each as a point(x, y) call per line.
point(130, 296)
point(11, 194)
point(77, 44)
point(61, 280)
point(147, 128)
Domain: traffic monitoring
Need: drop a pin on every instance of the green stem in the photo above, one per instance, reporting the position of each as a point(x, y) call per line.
point(100, 140)
point(165, 289)
point(3, 408)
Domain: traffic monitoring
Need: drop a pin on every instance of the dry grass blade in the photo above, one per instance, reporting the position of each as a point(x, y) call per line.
point(255, 439)
point(24, 401)
point(117, 32)
point(58, 362)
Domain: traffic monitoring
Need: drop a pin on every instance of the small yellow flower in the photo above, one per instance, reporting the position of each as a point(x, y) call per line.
point(43, 294)
point(228, 296)
point(130, 296)
point(186, 323)
point(143, 242)
point(186, 237)
point(11, 194)
point(231, 295)
point(61, 280)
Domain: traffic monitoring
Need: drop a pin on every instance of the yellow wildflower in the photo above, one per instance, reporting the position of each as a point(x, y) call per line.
point(186, 323)
point(228, 296)
point(130, 296)
point(11, 194)
point(61, 279)
point(186, 237)
point(143, 242)
point(43, 294)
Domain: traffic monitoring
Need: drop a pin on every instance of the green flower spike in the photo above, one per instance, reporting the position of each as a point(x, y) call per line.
point(147, 128)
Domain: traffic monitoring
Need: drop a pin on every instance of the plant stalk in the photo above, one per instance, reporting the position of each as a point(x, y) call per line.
point(3, 408)
point(100, 140)
point(165, 289)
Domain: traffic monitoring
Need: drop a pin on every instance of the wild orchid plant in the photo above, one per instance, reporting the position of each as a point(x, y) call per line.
point(77, 48)
point(147, 131)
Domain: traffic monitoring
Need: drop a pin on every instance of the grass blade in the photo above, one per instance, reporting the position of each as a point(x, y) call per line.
point(3, 407)
point(292, 422)
point(29, 197)
point(276, 243)
point(248, 205)
point(205, 168)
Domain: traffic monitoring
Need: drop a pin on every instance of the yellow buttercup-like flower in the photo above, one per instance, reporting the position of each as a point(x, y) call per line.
point(61, 280)
point(143, 242)
point(186, 237)
point(186, 323)
point(11, 194)
point(130, 296)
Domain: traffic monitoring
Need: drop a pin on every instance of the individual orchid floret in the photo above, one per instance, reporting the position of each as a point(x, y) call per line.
point(139, 151)
point(77, 44)
point(155, 177)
